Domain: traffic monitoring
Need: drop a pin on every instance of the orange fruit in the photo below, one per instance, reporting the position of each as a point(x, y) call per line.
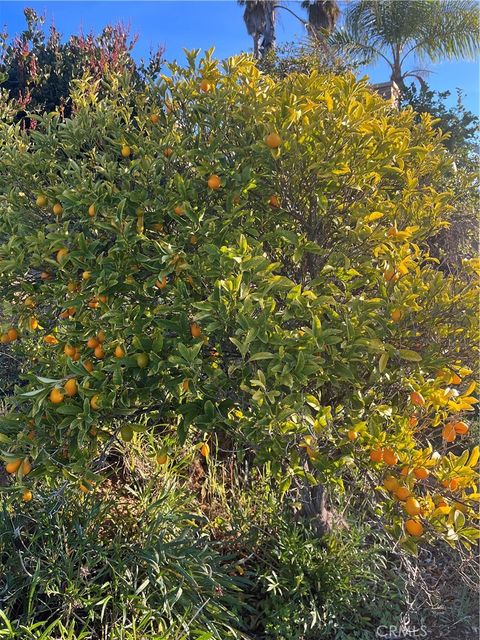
point(33, 323)
point(101, 336)
point(402, 493)
point(41, 201)
point(274, 201)
point(352, 435)
point(70, 387)
point(12, 334)
point(414, 528)
point(417, 399)
point(205, 450)
point(86, 275)
point(205, 86)
point(45, 275)
point(396, 315)
point(56, 396)
point(167, 152)
point(162, 457)
point(92, 343)
point(4, 339)
point(68, 350)
point(389, 274)
point(461, 428)
point(404, 471)
point(99, 352)
point(412, 421)
point(421, 473)
point(91, 211)
point(84, 488)
point(126, 151)
point(214, 182)
point(195, 330)
point(57, 209)
point(412, 506)
point(50, 339)
point(27, 495)
point(26, 467)
point(161, 284)
point(88, 364)
point(61, 254)
point(119, 352)
point(142, 360)
point(93, 303)
point(273, 140)
point(376, 455)
point(448, 432)
point(179, 211)
point(94, 402)
point(76, 356)
point(451, 484)
point(193, 239)
point(186, 385)
point(13, 466)
point(390, 483)
point(154, 118)
point(389, 457)
point(103, 299)
point(455, 379)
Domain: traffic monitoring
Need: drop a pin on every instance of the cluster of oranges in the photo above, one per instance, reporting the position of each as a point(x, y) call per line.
point(10, 335)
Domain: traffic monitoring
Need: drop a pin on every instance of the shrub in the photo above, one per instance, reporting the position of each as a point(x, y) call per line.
point(222, 253)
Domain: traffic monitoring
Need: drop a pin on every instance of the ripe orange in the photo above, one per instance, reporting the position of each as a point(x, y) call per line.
point(88, 364)
point(57, 209)
point(417, 399)
point(389, 457)
point(26, 467)
point(56, 396)
point(161, 284)
point(205, 450)
point(205, 86)
point(119, 352)
point(12, 334)
point(461, 428)
point(71, 388)
point(33, 323)
point(154, 118)
point(412, 421)
point(451, 484)
point(274, 201)
point(214, 182)
point(448, 432)
point(68, 350)
point(186, 385)
point(273, 140)
point(414, 528)
point(396, 315)
point(167, 152)
point(402, 493)
point(13, 466)
point(4, 339)
point(195, 330)
point(126, 151)
point(91, 211)
point(352, 435)
point(412, 506)
point(142, 360)
point(404, 471)
point(50, 339)
point(421, 473)
point(101, 336)
point(61, 254)
point(92, 343)
point(455, 379)
point(390, 483)
point(77, 355)
point(376, 455)
point(94, 402)
point(86, 275)
point(27, 495)
point(179, 210)
point(103, 298)
point(99, 352)
point(41, 201)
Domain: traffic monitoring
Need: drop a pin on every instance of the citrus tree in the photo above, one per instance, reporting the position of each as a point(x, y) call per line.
point(242, 260)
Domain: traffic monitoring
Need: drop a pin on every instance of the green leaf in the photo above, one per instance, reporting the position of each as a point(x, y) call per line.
point(411, 356)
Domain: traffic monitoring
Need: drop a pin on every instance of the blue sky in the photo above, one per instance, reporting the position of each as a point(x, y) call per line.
point(201, 24)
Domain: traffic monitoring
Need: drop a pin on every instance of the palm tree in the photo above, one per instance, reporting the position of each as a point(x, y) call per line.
point(259, 18)
point(322, 15)
point(396, 29)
